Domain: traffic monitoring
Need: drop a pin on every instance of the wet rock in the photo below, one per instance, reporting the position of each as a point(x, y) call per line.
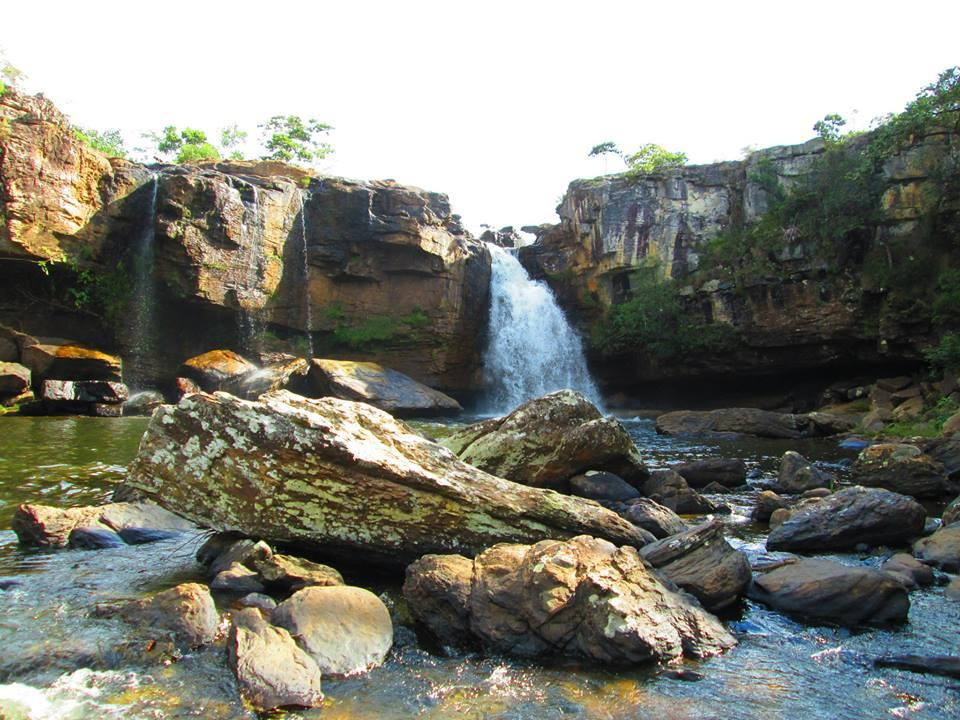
point(327, 467)
point(286, 375)
point(237, 552)
point(602, 486)
point(185, 386)
point(50, 359)
point(797, 475)
point(849, 517)
point(951, 513)
point(213, 369)
point(778, 517)
point(143, 403)
point(271, 670)
point(945, 665)
point(715, 488)
point(730, 472)
point(546, 441)
point(187, 611)
point(910, 569)
point(827, 423)
point(292, 573)
point(827, 590)
point(59, 393)
point(703, 563)
point(379, 386)
point(583, 598)
point(653, 517)
point(952, 590)
point(670, 490)
point(258, 601)
point(437, 589)
point(941, 549)
point(346, 630)
point(128, 518)
point(815, 494)
point(946, 451)
point(901, 468)
point(745, 421)
point(215, 546)
point(49, 527)
point(93, 538)
point(14, 379)
point(237, 579)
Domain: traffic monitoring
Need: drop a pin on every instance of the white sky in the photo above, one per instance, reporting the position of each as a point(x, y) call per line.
point(495, 103)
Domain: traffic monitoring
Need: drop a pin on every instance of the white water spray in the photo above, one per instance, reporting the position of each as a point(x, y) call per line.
point(532, 350)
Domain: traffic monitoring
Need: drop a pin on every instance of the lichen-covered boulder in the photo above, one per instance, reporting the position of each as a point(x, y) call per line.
point(344, 477)
point(213, 369)
point(380, 386)
point(902, 468)
point(582, 597)
point(828, 590)
point(548, 440)
point(848, 518)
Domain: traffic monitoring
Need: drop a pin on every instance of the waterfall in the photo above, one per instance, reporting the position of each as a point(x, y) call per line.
point(307, 311)
point(532, 350)
point(249, 316)
point(141, 331)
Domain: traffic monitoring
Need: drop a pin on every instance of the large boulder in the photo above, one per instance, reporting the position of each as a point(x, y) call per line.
point(941, 549)
point(187, 612)
point(213, 369)
point(379, 386)
point(271, 670)
point(346, 630)
point(745, 421)
point(14, 379)
point(53, 359)
point(730, 472)
point(848, 518)
point(582, 597)
point(546, 441)
point(341, 476)
point(797, 475)
point(703, 563)
point(901, 468)
point(602, 487)
point(288, 374)
point(827, 590)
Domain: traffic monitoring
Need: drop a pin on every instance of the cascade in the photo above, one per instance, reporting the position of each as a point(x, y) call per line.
point(307, 311)
point(532, 349)
point(249, 318)
point(141, 330)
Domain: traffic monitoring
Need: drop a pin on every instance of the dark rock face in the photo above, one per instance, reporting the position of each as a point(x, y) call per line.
point(602, 486)
point(546, 441)
point(583, 598)
point(948, 666)
point(830, 591)
point(381, 387)
point(313, 472)
point(797, 475)
point(703, 563)
point(901, 468)
point(729, 472)
point(650, 515)
point(746, 421)
point(848, 518)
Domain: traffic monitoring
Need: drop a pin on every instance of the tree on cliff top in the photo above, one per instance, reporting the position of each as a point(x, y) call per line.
point(650, 158)
point(189, 144)
point(289, 137)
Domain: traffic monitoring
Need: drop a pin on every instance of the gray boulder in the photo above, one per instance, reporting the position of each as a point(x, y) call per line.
point(653, 517)
point(602, 486)
point(908, 569)
point(744, 421)
point(670, 490)
point(797, 475)
point(186, 612)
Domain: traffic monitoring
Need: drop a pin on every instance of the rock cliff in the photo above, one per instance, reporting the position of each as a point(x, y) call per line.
point(258, 256)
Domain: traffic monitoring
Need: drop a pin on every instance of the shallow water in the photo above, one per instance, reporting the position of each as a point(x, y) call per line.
point(59, 662)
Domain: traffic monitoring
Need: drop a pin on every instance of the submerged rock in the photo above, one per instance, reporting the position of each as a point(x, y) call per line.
point(271, 670)
point(827, 590)
point(797, 475)
point(901, 468)
point(848, 518)
point(703, 563)
point(344, 477)
point(729, 472)
point(546, 441)
point(379, 386)
point(582, 597)
point(945, 665)
point(346, 630)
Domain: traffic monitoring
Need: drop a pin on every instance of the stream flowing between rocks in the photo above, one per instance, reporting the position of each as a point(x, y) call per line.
point(60, 662)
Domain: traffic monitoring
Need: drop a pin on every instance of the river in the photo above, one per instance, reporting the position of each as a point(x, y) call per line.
point(59, 662)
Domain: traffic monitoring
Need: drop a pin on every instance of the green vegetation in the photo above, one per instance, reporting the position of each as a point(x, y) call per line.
point(109, 142)
point(830, 127)
point(655, 322)
point(231, 138)
point(187, 145)
point(928, 424)
point(946, 353)
point(10, 75)
point(103, 292)
point(651, 158)
point(289, 137)
point(376, 331)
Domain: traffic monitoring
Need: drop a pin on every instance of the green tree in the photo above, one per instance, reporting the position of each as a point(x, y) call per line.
point(231, 138)
point(605, 148)
point(11, 75)
point(652, 158)
point(830, 127)
point(109, 142)
point(288, 137)
point(189, 144)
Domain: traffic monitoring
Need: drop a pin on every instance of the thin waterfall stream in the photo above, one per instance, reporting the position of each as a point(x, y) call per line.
point(141, 330)
point(532, 349)
point(307, 311)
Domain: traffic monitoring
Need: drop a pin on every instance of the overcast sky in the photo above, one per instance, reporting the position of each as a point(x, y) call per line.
point(495, 103)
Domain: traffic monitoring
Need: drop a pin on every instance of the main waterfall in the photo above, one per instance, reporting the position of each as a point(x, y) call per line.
point(532, 350)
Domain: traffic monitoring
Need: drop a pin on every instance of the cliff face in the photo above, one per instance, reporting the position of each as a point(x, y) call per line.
point(257, 256)
point(800, 309)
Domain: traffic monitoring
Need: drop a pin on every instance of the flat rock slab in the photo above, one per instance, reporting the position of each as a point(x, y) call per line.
point(745, 421)
point(14, 378)
point(548, 440)
point(341, 476)
point(67, 360)
point(582, 597)
point(346, 630)
point(380, 386)
point(827, 590)
point(848, 518)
